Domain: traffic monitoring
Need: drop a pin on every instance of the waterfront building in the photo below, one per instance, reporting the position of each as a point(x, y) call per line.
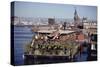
point(51, 21)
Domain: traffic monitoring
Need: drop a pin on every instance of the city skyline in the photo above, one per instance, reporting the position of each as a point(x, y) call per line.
point(49, 10)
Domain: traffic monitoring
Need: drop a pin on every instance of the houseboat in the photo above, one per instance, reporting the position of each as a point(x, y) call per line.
point(51, 46)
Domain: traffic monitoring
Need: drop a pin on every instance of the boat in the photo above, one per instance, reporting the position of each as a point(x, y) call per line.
point(51, 46)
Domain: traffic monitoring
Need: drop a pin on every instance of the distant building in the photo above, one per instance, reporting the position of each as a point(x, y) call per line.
point(51, 21)
point(14, 20)
point(76, 18)
point(77, 21)
point(90, 27)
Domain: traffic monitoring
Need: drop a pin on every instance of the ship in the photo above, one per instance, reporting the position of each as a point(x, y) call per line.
point(51, 46)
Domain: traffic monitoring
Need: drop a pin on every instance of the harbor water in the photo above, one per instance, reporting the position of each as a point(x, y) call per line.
point(22, 36)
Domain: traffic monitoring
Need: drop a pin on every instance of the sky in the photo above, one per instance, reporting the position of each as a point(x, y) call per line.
point(49, 10)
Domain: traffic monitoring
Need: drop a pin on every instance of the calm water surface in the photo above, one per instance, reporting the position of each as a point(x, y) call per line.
point(22, 36)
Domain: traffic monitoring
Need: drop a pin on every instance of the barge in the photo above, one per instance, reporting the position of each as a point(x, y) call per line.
point(51, 46)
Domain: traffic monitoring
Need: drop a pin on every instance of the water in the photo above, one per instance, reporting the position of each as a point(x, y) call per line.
point(22, 36)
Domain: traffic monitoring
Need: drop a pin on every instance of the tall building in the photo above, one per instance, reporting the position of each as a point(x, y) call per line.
point(77, 20)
